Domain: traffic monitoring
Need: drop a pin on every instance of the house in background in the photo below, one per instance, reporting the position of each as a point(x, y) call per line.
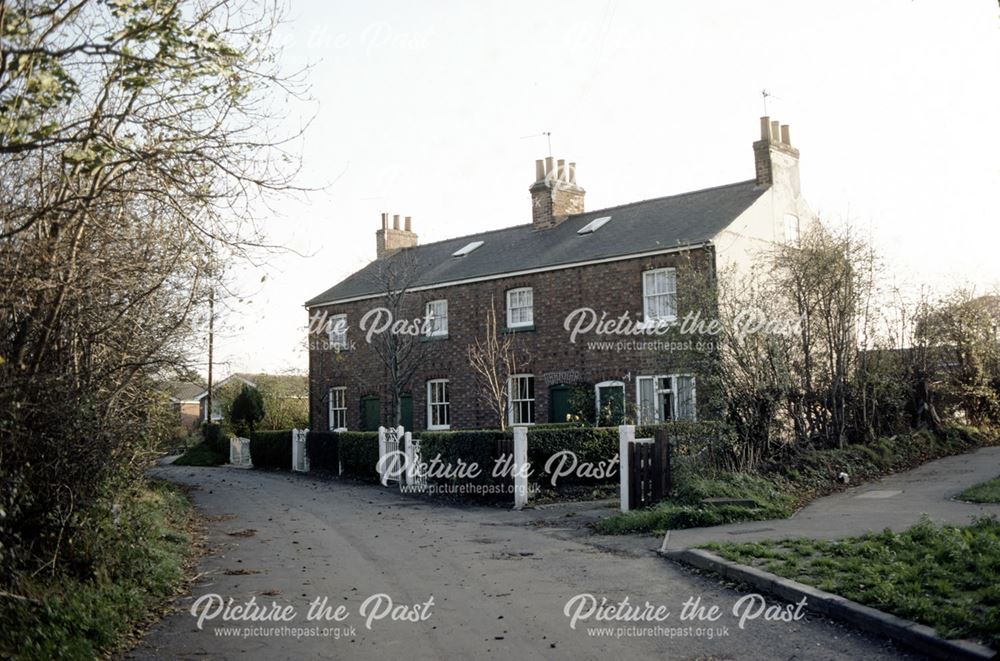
point(285, 397)
point(185, 398)
point(621, 260)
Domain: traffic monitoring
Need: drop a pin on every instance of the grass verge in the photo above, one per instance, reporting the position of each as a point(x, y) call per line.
point(138, 561)
point(985, 492)
point(200, 455)
point(685, 510)
point(941, 576)
point(794, 478)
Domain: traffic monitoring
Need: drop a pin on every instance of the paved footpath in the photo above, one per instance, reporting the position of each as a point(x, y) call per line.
point(896, 502)
point(500, 582)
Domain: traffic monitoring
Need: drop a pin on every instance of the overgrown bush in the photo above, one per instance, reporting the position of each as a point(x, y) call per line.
point(132, 560)
point(358, 454)
point(322, 449)
point(271, 450)
point(247, 410)
point(215, 438)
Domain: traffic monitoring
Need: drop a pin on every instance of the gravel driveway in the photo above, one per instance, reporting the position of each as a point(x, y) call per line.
point(500, 583)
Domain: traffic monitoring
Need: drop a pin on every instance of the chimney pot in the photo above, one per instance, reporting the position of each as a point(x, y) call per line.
point(556, 195)
point(389, 242)
point(539, 170)
point(776, 161)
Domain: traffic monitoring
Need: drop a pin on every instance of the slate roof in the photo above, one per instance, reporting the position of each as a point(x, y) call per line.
point(650, 225)
point(184, 391)
point(282, 385)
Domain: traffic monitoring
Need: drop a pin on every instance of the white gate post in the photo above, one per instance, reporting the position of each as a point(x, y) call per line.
point(520, 467)
point(300, 455)
point(626, 435)
point(409, 471)
point(305, 447)
point(381, 453)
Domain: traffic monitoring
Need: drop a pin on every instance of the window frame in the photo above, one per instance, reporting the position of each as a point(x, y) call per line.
point(332, 323)
point(649, 320)
point(512, 402)
point(658, 392)
point(431, 403)
point(342, 409)
point(430, 316)
point(530, 307)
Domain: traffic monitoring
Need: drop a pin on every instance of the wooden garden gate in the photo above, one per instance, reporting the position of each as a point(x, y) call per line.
point(645, 468)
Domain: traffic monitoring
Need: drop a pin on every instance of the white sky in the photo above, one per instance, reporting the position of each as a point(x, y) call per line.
point(422, 107)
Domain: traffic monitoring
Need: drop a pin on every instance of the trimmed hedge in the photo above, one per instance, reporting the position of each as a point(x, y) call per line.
point(597, 446)
point(591, 445)
point(271, 450)
point(457, 448)
point(322, 448)
point(358, 453)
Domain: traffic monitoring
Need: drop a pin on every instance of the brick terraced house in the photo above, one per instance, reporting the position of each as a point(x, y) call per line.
point(620, 260)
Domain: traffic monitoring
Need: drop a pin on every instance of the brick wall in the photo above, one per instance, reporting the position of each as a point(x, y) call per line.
point(545, 351)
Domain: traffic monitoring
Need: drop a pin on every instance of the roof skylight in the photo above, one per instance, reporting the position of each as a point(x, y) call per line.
point(594, 225)
point(465, 250)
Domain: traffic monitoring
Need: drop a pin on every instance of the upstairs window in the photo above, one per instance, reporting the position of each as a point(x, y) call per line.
point(522, 399)
point(337, 328)
point(436, 313)
point(338, 409)
point(520, 309)
point(792, 229)
point(659, 296)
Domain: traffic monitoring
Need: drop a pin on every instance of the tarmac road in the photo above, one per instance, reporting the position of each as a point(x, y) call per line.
point(500, 585)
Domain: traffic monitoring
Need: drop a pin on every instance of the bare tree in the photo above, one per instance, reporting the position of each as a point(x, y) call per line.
point(399, 347)
point(493, 360)
point(136, 143)
point(827, 280)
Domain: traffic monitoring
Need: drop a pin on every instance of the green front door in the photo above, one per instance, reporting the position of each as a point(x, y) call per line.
point(559, 402)
point(610, 405)
point(406, 411)
point(371, 413)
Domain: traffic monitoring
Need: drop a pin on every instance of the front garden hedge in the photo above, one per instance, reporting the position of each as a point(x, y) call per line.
point(358, 454)
point(322, 448)
point(457, 448)
point(271, 450)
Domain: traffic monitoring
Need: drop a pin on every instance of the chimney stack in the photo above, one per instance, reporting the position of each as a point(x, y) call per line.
point(555, 194)
point(776, 161)
point(392, 240)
